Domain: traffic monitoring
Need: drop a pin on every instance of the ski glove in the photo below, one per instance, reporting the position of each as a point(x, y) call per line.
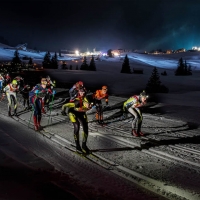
point(54, 92)
point(36, 91)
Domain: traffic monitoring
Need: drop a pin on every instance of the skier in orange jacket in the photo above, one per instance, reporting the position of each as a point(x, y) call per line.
point(98, 96)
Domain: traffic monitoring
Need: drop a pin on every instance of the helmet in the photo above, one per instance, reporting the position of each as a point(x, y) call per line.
point(80, 83)
point(43, 79)
point(48, 77)
point(104, 87)
point(14, 82)
point(144, 94)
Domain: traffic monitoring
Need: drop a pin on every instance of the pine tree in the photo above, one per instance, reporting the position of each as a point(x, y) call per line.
point(84, 65)
point(30, 63)
point(126, 66)
point(189, 72)
point(154, 84)
point(47, 60)
point(16, 61)
point(70, 67)
point(54, 61)
point(64, 65)
point(183, 68)
point(180, 68)
point(109, 53)
point(92, 66)
point(76, 67)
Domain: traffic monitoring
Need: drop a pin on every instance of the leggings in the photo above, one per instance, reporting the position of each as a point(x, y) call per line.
point(37, 106)
point(137, 118)
point(11, 98)
point(77, 119)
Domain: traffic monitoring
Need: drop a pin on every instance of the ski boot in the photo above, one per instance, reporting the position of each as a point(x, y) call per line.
point(78, 147)
point(43, 110)
point(35, 123)
point(39, 127)
point(134, 133)
point(85, 149)
point(15, 112)
point(102, 123)
point(9, 112)
point(141, 133)
point(38, 123)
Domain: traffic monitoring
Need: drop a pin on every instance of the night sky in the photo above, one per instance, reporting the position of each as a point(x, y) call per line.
point(101, 24)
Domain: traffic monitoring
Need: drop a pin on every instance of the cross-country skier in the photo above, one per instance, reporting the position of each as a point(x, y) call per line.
point(25, 94)
point(73, 92)
point(1, 82)
point(36, 96)
point(7, 79)
point(132, 105)
point(98, 96)
point(10, 90)
point(20, 82)
point(50, 86)
point(77, 115)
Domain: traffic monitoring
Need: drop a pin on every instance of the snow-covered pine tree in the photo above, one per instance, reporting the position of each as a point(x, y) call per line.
point(126, 66)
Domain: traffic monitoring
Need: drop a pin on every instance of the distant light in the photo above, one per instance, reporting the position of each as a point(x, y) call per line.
point(77, 52)
point(116, 54)
point(88, 53)
point(196, 48)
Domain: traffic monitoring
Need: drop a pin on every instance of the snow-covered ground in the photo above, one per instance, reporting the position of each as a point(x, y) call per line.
point(163, 164)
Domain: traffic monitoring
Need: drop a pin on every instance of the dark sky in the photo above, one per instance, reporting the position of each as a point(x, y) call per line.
point(101, 24)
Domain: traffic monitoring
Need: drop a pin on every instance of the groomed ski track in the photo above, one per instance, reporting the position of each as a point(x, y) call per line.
point(168, 154)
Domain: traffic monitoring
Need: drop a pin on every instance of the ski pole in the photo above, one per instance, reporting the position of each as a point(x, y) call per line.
point(31, 116)
point(51, 107)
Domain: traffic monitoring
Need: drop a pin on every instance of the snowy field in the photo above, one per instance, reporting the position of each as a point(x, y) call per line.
point(162, 165)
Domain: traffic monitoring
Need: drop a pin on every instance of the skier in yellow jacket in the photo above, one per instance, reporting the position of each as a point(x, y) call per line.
point(77, 115)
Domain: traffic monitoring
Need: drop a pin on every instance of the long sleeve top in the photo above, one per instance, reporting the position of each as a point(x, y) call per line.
point(38, 91)
point(10, 89)
point(133, 102)
point(79, 104)
point(100, 95)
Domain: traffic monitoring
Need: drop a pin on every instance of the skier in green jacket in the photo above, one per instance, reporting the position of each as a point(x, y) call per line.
point(132, 105)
